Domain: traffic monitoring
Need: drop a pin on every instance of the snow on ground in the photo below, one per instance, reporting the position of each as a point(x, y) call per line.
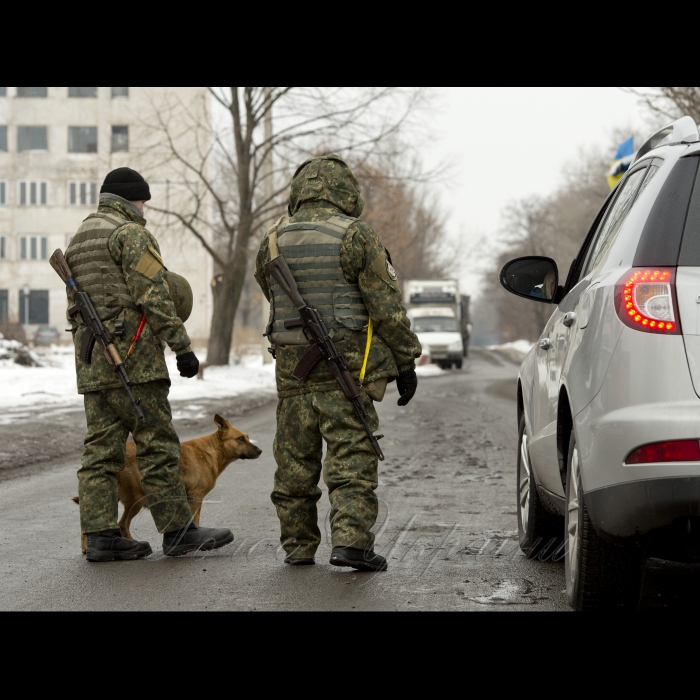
point(429, 371)
point(516, 351)
point(250, 375)
point(54, 386)
point(50, 385)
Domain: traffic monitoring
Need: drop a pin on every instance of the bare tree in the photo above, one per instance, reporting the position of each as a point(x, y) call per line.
point(230, 189)
point(409, 220)
point(553, 227)
point(670, 102)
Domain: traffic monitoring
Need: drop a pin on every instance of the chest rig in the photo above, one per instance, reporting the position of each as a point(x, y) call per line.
point(96, 272)
point(312, 251)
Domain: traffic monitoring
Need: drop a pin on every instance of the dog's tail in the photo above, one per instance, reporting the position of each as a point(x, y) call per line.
point(76, 501)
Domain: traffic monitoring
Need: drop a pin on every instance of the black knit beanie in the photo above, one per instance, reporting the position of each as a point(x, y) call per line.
point(127, 183)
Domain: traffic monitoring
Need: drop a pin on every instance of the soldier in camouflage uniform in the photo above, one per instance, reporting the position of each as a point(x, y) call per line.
point(344, 271)
point(117, 262)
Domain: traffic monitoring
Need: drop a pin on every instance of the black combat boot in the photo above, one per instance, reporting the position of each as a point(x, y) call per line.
point(300, 562)
point(195, 539)
point(348, 558)
point(111, 546)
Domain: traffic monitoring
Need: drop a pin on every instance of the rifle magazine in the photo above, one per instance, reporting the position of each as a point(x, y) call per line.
point(308, 363)
point(87, 347)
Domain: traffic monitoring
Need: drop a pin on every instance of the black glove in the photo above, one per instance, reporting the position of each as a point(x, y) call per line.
point(408, 385)
point(188, 365)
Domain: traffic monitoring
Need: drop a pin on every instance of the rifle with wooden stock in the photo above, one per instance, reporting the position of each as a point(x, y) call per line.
point(322, 346)
point(95, 332)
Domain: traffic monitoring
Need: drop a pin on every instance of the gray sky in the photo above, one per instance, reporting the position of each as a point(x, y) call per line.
point(511, 142)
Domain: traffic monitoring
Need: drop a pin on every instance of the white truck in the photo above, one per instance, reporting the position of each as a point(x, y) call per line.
point(439, 316)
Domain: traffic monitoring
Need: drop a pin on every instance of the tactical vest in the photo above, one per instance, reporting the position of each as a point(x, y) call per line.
point(94, 269)
point(312, 251)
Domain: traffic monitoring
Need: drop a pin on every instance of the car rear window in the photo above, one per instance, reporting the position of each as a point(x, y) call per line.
point(660, 244)
point(690, 249)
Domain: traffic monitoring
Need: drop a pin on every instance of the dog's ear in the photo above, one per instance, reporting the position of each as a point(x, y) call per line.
point(221, 422)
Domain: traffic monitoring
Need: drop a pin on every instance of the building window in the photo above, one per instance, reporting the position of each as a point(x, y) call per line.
point(82, 194)
point(34, 248)
point(82, 92)
point(32, 138)
point(120, 139)
point(82, 139)
point(120, 92)
point(4, 302)
point(34, 308)
point(3, 92)
point(33, 194)
point(3, 248)
point(32, 92)
point(3, 138)
point(3, 193)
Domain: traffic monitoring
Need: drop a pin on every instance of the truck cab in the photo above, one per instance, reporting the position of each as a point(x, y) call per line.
point(439, 333)
point(439, 316)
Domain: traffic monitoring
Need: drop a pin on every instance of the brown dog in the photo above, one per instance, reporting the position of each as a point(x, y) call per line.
point(203, 461)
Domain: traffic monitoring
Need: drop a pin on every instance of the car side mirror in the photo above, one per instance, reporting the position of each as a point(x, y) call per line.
point(533, 278)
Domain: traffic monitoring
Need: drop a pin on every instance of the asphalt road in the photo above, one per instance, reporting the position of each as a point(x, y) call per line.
point(448, 520)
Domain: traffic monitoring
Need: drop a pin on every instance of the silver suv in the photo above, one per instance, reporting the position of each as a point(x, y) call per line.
point(609, 399)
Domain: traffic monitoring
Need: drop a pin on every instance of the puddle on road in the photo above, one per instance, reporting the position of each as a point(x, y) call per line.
point(509, 593)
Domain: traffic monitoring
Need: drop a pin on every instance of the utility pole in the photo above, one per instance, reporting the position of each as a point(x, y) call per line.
point(269, 190)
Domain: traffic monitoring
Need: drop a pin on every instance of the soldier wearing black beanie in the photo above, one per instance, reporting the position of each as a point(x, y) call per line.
point(117, 262)
point(128, 184)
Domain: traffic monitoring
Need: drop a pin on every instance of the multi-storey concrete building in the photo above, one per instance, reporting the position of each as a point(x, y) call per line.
point(56, 146)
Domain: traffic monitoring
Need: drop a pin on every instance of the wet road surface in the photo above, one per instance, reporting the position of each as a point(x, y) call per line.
point(448, 521)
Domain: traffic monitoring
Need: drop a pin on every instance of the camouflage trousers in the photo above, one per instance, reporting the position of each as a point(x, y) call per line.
point(110, 419)
point(350, 471)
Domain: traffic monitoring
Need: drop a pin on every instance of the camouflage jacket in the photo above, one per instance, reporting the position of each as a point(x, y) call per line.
point(364, 260)
point(129, 246)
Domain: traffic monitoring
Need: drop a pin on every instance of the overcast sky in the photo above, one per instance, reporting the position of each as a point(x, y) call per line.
point(511, 142)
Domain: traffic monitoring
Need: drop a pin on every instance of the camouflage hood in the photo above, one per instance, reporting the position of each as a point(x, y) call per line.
point(326, 179)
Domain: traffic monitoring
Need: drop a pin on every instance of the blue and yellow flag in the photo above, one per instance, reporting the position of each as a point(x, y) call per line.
point(621, 164)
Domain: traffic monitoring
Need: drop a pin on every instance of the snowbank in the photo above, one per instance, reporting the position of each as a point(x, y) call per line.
point(54, 385)
point(14, 351)
point(51, 386)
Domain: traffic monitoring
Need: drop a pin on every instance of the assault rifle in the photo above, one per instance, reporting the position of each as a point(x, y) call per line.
point(322, 346)
point(95, 330)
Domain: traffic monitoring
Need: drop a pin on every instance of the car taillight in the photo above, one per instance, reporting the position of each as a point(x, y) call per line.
point(646, 300)
point(666, 452)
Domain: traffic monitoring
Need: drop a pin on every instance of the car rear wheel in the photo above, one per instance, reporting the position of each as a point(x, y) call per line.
point(599, 575)
point(541, 533)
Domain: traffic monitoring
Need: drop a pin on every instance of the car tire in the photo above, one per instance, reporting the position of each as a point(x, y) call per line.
point(541, 533)
point(459, 365)
point(599, 575)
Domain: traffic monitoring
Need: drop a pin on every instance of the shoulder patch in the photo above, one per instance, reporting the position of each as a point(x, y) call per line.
point(150, 264)
point(156, 255)
point(381, 267)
